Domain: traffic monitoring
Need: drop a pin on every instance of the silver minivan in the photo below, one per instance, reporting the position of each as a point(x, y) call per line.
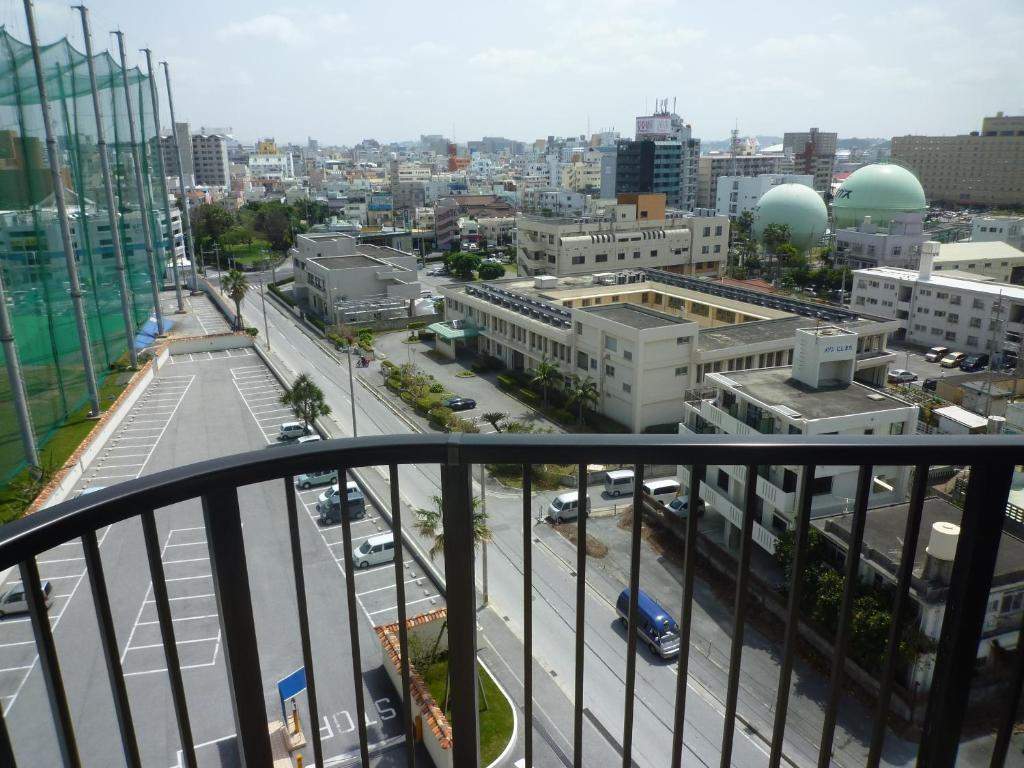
point(321, 477)
point(661, 490)
point(566, 506)
point(619, 481)
point(291, 430)
point(374, 551)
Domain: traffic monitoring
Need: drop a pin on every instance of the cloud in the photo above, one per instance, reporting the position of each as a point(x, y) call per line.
point(519, 61)
point(269, 26)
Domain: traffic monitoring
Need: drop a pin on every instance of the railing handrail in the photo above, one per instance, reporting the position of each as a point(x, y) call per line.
point(52, 526)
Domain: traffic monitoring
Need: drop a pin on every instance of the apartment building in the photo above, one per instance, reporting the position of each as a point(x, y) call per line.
point(582, 176)
point(995, 260)
point(736, 195)
point(710, 168)
point(817, 395)
point(870, 245)
point(981, 168)
point(524, 321)
point(813, 152)
point(169, 156)
point(342, 281)
point(969, 314)
point(1007, 229)
point(210, 160)
point(446, 223)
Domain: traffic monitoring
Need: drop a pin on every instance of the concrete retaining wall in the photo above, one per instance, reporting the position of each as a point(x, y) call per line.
point(214, 343)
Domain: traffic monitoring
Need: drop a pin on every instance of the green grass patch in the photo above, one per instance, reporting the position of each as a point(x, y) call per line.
point(511, 269)
point(495, 711)
point(18, 494)
point(544, 477)
point(465, 374)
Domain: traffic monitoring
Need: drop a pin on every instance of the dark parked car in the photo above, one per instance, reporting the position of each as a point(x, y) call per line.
point(930, 384)
point(974, 363)
point(459, 403)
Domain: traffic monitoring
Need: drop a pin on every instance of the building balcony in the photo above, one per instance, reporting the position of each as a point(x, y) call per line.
point(727, 424)
point(213, 500)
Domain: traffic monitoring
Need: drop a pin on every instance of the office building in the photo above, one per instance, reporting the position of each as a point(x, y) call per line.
point(813, 152)
point(170, 159)
point(816, 396)
point(647, 166)
point(712, 167)
point(981, 168)
point(739, 194)
point(1008, 229)
point(668, 126)
point(968, 314)
point(210, 160)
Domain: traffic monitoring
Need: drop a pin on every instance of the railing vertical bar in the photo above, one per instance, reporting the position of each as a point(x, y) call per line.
point(49, 664)
point(353, 617)
point(403, 630)
point(459, 567)
point(224, 540)
point(303, 614)
point(163, 614)
point(108, 639)
point(739, 611)
point(1009, 719)
point(633, 621)
point(797, 565)
point(842, 641)
point(697, 472)
point(901, 602)
point(6, 750)
point(528, 613)
point(981, 529)
point(582, 510)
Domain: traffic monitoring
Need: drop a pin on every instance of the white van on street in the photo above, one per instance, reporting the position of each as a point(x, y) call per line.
point(661, 490)
point(619, 482)
point(565, 507)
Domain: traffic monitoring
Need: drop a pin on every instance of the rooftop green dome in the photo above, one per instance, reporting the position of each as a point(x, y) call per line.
point(797, 206)
point(880, 191)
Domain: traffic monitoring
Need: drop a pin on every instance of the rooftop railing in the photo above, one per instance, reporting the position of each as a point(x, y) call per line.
point(216, 484)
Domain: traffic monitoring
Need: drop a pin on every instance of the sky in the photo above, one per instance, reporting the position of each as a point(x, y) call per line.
point(341, 72)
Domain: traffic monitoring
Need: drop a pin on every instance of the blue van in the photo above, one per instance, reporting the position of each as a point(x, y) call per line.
point(654, 625)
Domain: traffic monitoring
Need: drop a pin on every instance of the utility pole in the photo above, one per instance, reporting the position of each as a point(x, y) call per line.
point(263, 296)
point(17, 382)
point(483, 544)
point(147, 232)
point(997, 310)
point(108, 188)
point(57, 181)
point(352, 392)
point(186, 218)
point(163, 178)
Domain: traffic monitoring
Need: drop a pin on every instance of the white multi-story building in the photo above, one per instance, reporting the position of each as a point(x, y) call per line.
point(816, 396)
point(271, 167)
point(170, 158)
point(868, 245)
point(997, 260)
point(583, 175)
point(342, 281)
point(710, 168)
point(969, 314)
point(210, 158)
point(553, 201)
point(524, 321)
point(1008, 229)
point(738, 194)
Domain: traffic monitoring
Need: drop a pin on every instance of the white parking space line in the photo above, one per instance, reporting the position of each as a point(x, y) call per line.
point(189, 560)
point(432, 598)
point(190, 578)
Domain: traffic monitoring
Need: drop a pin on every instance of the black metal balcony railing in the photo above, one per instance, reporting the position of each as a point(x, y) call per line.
point(216, 483)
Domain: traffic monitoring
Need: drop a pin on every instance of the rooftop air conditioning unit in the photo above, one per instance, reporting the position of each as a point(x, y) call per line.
point(604, 278)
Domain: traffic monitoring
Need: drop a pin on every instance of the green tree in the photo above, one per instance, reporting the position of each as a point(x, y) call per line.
point(828, 597)
point(211, 222)
point(744, 226)
point(430, 523)
point(583, 393)
point(274, 222)
point(236, 285)
point(869, 623)
point(789, 256)
point(775, 235)
point(545, 376)
point(463, 264)
point(494, 418)
point(491, 271)
point(306, 400)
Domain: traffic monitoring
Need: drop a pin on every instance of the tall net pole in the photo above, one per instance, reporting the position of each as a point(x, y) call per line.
point(17, 382)
point(186, 221)
point(147, 232)
point(108, 188)
point(163, 175)
point(78, 306)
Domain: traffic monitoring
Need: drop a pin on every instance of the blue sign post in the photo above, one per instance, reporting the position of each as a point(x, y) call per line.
point(290, 686)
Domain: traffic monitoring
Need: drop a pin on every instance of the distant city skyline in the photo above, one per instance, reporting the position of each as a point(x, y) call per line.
point(341, 76)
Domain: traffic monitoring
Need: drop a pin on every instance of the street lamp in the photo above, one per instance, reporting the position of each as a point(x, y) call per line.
point(263, 297)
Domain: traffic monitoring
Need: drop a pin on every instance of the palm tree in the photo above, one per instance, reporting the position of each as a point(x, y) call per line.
point(494, 418)
point(583, 392)
point(546, 375)
point(306, 400)
point(235, 284)
point(429, 523)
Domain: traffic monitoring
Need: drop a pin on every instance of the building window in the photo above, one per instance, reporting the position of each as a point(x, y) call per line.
point(682, 370)
point(654, 254)
point(609, 370)
point(611, 343)
point(953, 317)
point(718, 231)
point(975, 322)
point(579, 259)
point(718, 249)
point(978, 304)
point(705, 249)
point(821, 485)
point(707, 231)
point(896, 429)
point(681, 340)
point(622, 257)
point(581, 360)
point(626, 354)
point(950, 335)
point(593, 363)
point(579, 329)
point(972, 341)
point(723, 480)
point(636, 254)
point(626, 388)
point(601, 258)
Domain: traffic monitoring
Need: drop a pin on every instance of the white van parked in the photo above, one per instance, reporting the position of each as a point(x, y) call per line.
point(374, 551)
point(566, 506)
point(619, 482)
point(291, 430)
point(662, 490)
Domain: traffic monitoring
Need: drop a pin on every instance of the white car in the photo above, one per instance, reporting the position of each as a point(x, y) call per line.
point(901, 376)
point(13, 600)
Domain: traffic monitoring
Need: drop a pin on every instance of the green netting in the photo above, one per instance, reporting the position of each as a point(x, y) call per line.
point(31, 252)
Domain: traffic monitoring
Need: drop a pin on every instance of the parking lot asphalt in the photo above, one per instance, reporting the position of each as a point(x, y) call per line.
point(200, 407)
